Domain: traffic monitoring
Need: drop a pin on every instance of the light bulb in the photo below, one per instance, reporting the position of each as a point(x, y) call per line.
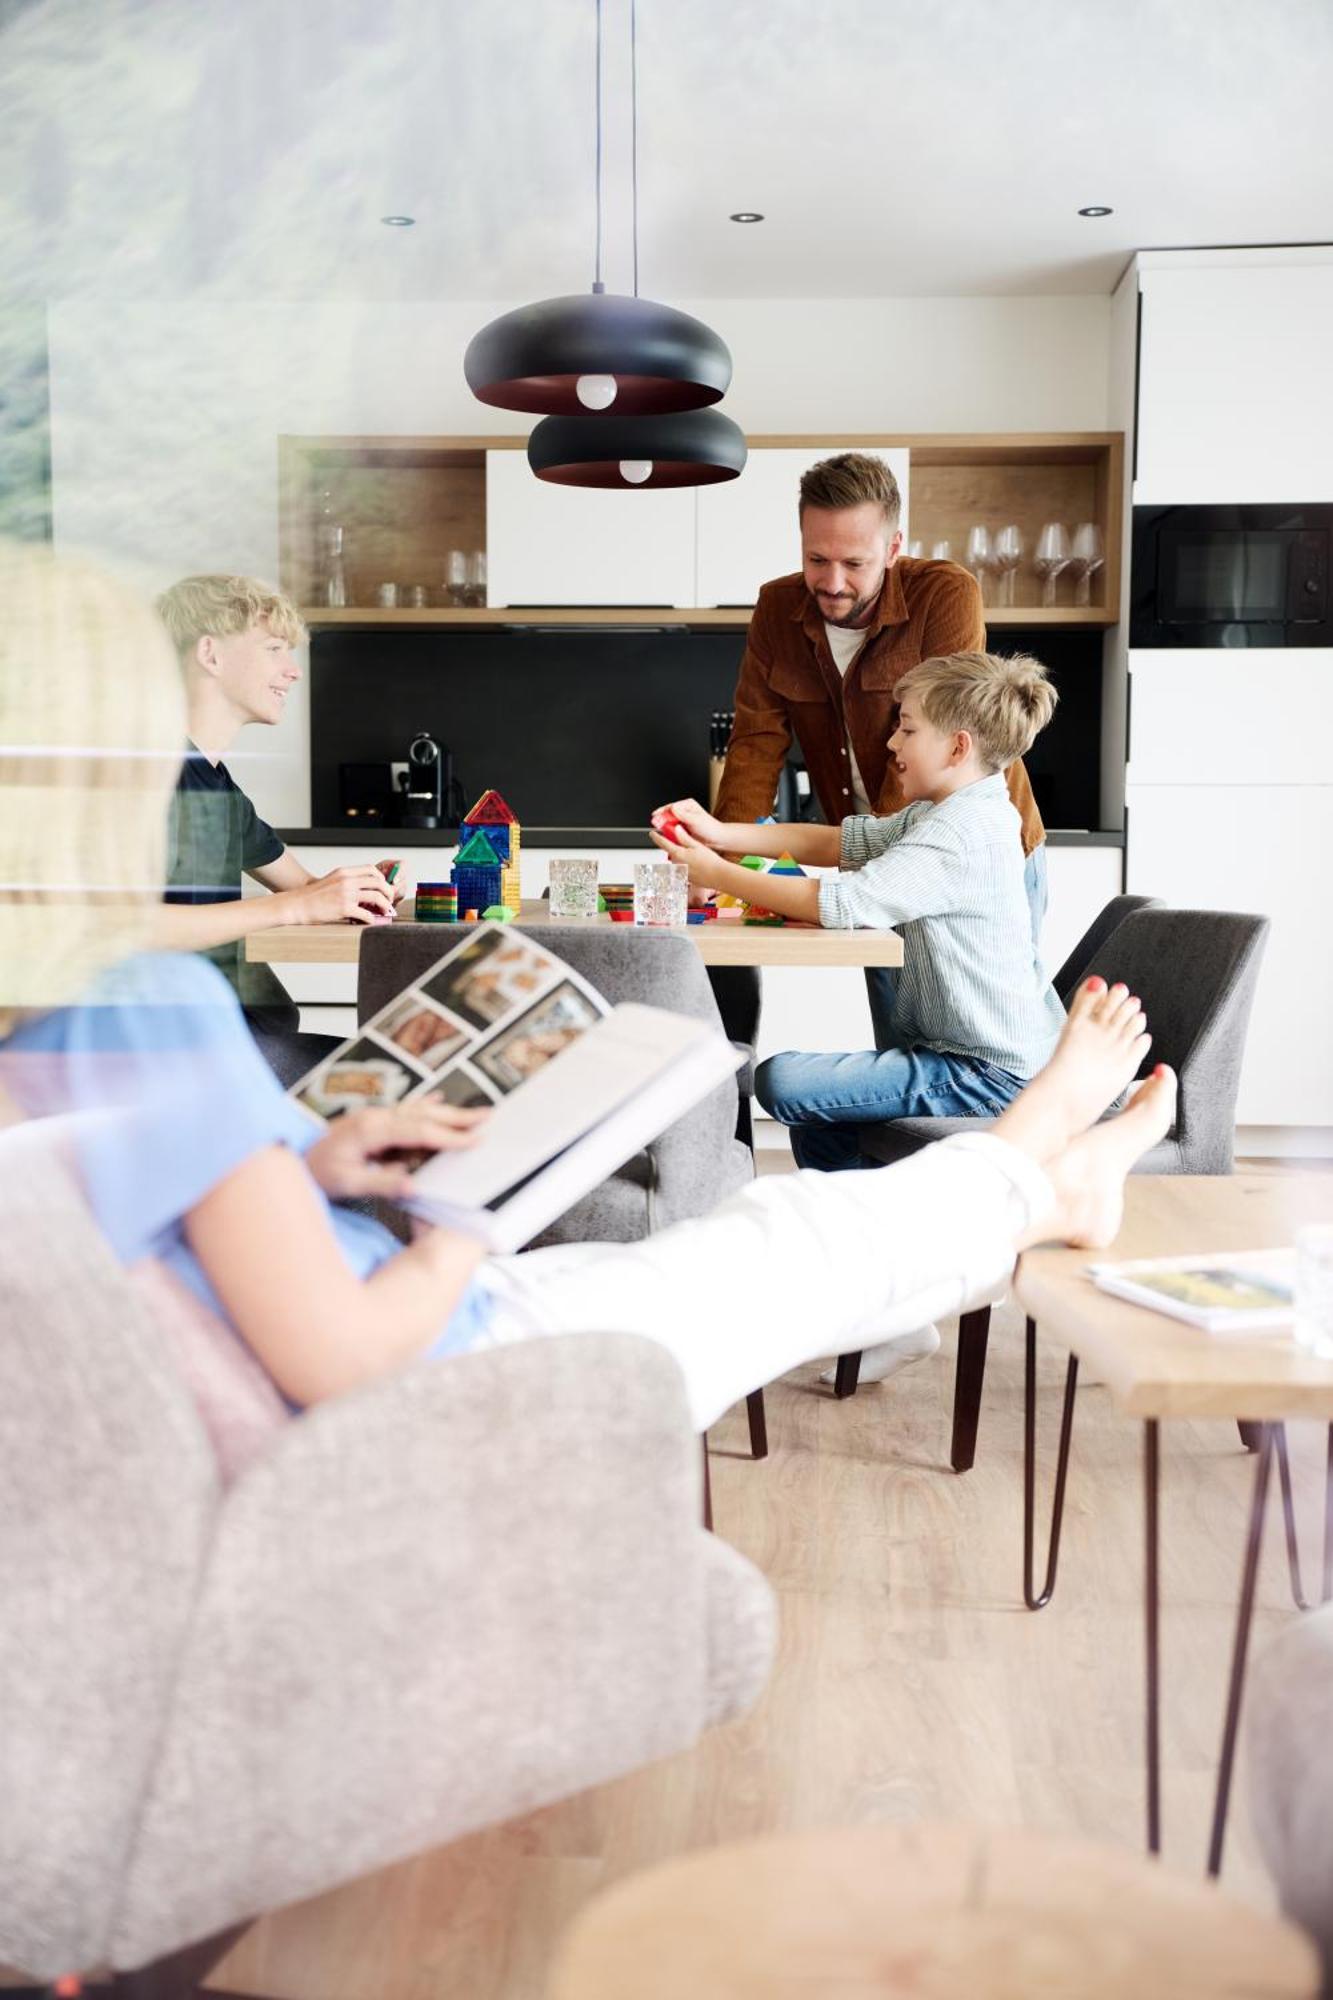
point(596, 392)
point(636, 470)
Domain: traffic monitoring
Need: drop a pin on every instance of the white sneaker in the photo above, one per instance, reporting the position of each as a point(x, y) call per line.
point(888, 1356)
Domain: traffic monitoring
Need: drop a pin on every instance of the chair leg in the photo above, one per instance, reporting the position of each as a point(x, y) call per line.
point(754, 1405)
point(973, 1333)
point(1251, 1435)
point(847, 1375)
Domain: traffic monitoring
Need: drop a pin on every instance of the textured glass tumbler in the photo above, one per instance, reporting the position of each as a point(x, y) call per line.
point(1314, 1288)
point(573, 888)
point(661, 892)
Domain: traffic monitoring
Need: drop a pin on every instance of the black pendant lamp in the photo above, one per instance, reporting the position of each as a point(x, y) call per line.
point(635, 360)
point(689, 448)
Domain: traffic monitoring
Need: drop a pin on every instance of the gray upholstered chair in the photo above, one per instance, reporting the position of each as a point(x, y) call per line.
point(436, 1603)
point(696, 1163)
point(1195, 971)
point(1289, 1740)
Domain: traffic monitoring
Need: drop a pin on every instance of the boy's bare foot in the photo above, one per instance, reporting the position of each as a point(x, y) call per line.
point(1101, 1046)
point(1089, 1175)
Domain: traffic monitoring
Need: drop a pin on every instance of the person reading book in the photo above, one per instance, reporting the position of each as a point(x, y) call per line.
point(236, 639)
point(191, 1154)
point(974, 1015)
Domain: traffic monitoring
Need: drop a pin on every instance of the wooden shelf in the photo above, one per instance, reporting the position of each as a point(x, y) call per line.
point(728, 617)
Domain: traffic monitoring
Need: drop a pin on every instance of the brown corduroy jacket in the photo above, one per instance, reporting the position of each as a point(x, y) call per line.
point(790, 687)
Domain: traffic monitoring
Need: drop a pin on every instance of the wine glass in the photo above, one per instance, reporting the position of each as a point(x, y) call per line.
point(1089, 553)
point(1008, 554)
point(1052, 556)
point(941, 551)
point(916, 549)
point(980, 557)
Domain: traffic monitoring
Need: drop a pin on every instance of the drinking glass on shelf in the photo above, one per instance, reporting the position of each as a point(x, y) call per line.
point(1008, 554)
point(573, 888)
point(455, 579)
point(941, 551)
point(1052, 556)
point(332, 585)
point(980, 556)
point(916, 549)
point(386, 596)
point(661, 893)
point(476, 579)
point(1089, 553)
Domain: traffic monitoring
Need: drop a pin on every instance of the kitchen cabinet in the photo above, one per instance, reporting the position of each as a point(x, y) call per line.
point(1247, 718)
point(572, 545)
point(748, 529)
point(1262, 848)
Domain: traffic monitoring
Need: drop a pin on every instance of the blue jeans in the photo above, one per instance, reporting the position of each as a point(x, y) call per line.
point(826, 1099)
point(882, 981)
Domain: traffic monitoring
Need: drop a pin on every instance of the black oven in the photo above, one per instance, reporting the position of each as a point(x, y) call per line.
point(1231, 576)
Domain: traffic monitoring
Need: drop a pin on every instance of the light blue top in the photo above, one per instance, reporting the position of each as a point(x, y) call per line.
point(170, 1096)
point(949, 877)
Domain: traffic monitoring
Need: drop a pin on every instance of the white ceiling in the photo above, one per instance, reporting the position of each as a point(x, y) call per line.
point(234, 148)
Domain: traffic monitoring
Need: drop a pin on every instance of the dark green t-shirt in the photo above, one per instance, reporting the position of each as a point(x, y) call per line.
point(216, 836)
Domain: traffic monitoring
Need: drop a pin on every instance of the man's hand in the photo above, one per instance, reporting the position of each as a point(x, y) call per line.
point(702, 863)
point(698, 823)
point(391, 870)
point(373, 1152)
point(344, 895)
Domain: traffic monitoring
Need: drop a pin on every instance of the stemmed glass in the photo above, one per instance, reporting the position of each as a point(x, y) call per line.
point(1008, 554)
point(1052, 556)
point(1089, 553)
point(979, 555)
point(941, 551)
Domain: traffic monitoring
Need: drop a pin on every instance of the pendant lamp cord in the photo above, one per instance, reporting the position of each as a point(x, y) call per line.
point(634, 129)
point(597, 284)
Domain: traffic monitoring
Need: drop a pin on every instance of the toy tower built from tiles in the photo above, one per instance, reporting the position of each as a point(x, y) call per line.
point(493, 818)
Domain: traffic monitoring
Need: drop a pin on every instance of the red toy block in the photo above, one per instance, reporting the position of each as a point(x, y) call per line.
point(669, 827)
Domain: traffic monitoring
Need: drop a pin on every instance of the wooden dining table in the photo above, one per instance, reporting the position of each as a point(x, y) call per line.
point(724, 940)
point(1157, 1368)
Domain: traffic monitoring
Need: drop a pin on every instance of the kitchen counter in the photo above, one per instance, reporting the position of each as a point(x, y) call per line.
point(396, 837)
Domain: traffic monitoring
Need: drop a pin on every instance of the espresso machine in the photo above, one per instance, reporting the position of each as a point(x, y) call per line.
point(426, 783)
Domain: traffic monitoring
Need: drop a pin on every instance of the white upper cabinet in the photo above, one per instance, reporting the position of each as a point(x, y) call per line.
point(1217, 718)
point(748, 528)
point(573, 545)
point(1235, 389)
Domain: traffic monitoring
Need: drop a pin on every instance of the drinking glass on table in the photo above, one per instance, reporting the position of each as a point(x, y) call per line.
point(980, 556)
point(1008, 554)
point(573, 888)
point(1087, 556)
point(661, 893)
point(1051, 558)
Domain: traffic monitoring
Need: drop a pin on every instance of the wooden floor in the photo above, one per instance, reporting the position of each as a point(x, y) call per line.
point(909, 1680)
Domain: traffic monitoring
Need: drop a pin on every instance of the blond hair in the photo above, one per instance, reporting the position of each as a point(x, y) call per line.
point(1002, 703)
point(219, 607)
point(92, 725)
point(852, 479)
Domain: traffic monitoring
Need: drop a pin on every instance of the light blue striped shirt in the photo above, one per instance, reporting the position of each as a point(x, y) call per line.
point(949, 878)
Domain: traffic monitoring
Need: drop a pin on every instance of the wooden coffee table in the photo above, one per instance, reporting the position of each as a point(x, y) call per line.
point(1157, 1368)
point(955, 1912)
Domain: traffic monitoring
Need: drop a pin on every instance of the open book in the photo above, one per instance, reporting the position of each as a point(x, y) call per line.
point(575, 1087)
point(1245, 1291)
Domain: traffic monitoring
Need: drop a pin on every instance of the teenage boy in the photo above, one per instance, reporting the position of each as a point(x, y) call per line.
point(235, 639)
point(974, 1016)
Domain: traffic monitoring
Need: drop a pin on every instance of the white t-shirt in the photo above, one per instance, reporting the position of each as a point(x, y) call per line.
point(845, 642)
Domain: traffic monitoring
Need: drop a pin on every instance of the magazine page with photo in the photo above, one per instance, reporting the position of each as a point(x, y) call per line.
point(575, 1087)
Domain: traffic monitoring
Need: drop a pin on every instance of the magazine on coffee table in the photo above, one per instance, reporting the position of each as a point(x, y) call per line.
point(1232, 1291)
point(575, 1087)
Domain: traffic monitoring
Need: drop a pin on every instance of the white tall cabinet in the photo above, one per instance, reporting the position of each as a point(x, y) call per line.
point(1229, 790)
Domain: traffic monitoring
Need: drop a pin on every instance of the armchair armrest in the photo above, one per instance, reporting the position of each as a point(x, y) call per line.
point(435, 1604)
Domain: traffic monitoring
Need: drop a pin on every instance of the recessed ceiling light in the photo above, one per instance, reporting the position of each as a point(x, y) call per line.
point(1096, 209)
point(398, 221)
point(746, 215)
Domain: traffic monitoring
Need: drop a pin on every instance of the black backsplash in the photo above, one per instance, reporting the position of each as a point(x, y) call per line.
point(592, 728)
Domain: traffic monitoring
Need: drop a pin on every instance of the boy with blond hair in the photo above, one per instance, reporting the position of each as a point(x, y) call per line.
point(236, 639)
point(974, 1016)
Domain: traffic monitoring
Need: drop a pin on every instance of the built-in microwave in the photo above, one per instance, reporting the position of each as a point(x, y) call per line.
point(1231, 576)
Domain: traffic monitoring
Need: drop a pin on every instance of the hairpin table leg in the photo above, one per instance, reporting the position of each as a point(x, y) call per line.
point(1240, 1646)
point(1151, 1635)
point(1030, 1598)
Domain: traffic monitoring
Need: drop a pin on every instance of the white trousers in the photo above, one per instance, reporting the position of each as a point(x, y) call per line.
point(794, 1267)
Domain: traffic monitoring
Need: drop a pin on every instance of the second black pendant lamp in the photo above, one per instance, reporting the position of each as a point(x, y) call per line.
point(625, 382)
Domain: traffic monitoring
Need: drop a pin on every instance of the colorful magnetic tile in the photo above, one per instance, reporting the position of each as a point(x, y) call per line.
point(784, 865)
point(491, 810)
point(498, 913)
point(477, 852)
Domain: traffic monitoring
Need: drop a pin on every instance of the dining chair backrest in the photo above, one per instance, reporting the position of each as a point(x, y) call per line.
point(1108, 919)
point(1195, 972)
